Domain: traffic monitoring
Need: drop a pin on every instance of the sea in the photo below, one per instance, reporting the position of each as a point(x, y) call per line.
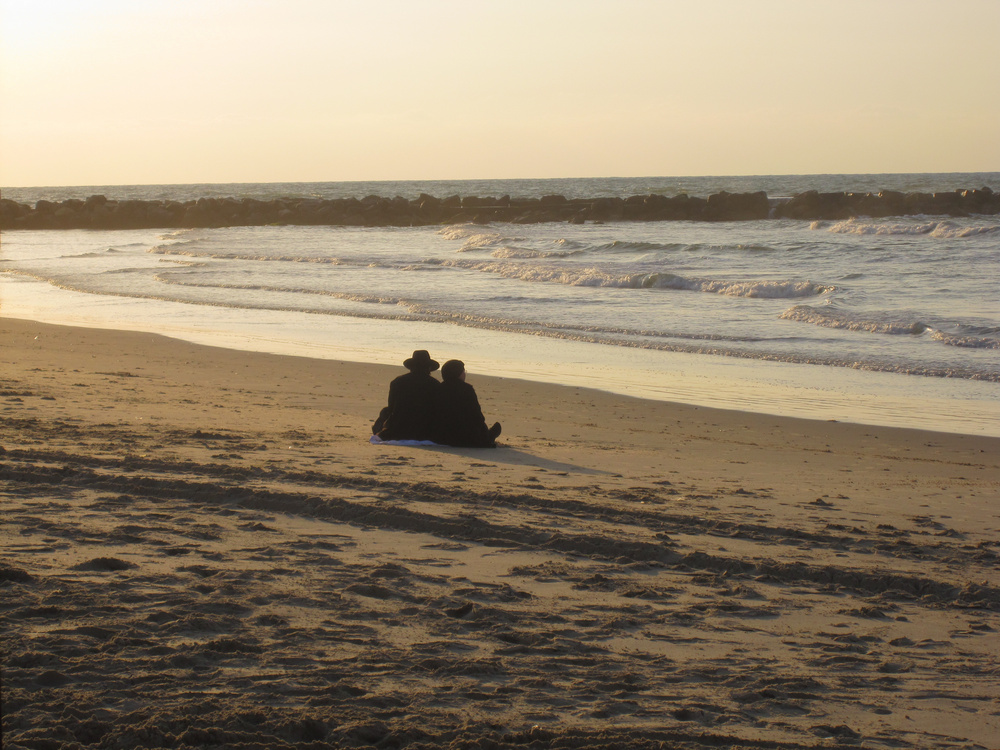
point(881, 321)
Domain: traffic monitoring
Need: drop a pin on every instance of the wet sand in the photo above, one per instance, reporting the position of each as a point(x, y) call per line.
point(200, 548)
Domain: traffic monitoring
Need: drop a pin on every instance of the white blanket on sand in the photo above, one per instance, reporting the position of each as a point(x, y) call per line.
point(376, 440)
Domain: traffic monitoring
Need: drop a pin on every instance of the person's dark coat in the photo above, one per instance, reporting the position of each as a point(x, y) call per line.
point(460, 418)
point(410, 415)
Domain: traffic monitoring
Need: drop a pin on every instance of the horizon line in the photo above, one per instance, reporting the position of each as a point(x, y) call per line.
point(491, 179)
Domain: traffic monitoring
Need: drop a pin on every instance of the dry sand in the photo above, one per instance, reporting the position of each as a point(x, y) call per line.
point(201, 549)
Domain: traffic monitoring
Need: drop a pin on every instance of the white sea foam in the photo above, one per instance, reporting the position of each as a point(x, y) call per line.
point(761, 289)
point(482, 242)
point(832, 318)
point(597, 277)
point(965, 340)
point(523, 253)
point(939, 229)
point(474, 237)
point(261, 258)
point(891, 324)
point(950, 230)
point(868, 227)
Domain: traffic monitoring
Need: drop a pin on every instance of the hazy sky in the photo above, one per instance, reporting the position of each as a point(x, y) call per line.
point(174, 91)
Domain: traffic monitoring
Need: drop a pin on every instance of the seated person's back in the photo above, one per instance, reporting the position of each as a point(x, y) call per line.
point(460, 420)
point(413, 402)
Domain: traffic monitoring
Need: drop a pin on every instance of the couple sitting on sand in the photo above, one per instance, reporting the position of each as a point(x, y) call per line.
point(422, 408)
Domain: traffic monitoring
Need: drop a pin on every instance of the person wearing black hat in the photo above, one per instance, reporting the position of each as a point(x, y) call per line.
point(413, 399)
point(460, 418)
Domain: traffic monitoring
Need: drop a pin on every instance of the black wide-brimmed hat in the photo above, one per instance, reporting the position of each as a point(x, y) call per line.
point(421, 360)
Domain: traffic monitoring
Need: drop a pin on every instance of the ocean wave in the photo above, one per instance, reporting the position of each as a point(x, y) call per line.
point(475, 237)
point(173, 250)
point(183, 232)
point(965, 341)
point(523, 253)
point(966, 231)
point(181, 237)
point(758, 289)
point(374, 299)
point(121, 249)
point(626, 246)
point(463, 231)
point(505, 246)
point(595, 277)
point(425, 311)
point(831, 318)
point(892, 325)
point(938, 229)
point(482, 242)
point(569, 248)
point(755, 248)
point(94, 254)
point(861, 226)
point(406, 310)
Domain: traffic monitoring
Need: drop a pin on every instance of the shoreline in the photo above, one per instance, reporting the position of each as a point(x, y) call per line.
point(794, 390)
point(565, 418)
point(202, 547)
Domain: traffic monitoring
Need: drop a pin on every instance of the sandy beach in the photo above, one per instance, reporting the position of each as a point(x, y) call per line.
point(200, 548)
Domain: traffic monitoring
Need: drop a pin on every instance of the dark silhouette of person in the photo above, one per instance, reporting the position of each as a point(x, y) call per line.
point(413, 402)
point(460, 420)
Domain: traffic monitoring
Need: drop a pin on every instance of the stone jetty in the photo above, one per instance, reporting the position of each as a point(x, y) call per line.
point(98, 212)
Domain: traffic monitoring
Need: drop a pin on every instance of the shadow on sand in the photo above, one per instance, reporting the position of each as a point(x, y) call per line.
point(504, 455)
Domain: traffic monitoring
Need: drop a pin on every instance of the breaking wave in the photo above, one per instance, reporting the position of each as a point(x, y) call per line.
point(174, 250)
point(624, 246)
point(397, 308)
point(595, 277)
point(939, 229)
point(522, 253)
point(973, 337)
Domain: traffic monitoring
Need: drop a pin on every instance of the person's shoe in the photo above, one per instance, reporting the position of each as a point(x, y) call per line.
point(495, 431)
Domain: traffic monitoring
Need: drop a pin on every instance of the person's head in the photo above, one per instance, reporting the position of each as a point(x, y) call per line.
point(453, 369)
point(420, 362)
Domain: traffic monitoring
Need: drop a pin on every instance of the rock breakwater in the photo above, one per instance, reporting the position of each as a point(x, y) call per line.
point(98, 212)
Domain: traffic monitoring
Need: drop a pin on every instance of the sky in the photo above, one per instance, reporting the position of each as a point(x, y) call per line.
point(113, 92)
